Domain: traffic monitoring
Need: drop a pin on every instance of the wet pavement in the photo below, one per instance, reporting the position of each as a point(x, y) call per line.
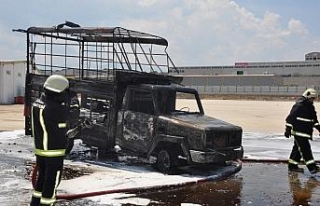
point(12, 172)
point(255, 184)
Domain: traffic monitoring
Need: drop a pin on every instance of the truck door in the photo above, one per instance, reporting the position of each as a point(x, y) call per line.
point(138, 121)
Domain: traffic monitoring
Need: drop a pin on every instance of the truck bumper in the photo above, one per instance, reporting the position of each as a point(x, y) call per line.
point(216, 156)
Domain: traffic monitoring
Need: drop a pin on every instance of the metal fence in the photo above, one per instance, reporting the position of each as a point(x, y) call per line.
point(253, 90)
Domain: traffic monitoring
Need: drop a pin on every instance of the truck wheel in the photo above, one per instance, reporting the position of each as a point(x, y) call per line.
point(164, 161)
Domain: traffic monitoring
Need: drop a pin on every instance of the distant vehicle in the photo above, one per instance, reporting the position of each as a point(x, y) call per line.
point(121, 77)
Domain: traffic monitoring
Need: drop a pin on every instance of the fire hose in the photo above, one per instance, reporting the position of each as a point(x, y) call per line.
point(220, 176)
point(264, 160)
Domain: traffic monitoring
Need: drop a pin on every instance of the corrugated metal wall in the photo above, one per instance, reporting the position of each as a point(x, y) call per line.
point(252, 85)
point(12, 80)
point(253, 90)
point(250, 81)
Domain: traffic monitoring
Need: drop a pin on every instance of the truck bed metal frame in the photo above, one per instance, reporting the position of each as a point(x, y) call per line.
point(94, 52)
point(96, 60)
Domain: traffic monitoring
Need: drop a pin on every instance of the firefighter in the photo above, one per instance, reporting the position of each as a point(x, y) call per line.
point(300, 123)
point(49, 118)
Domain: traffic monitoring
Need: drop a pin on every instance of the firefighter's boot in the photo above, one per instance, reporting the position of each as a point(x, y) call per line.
point(295, 168)
point(314, 170)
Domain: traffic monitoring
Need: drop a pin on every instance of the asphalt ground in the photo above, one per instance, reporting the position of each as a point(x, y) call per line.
point(255, 184)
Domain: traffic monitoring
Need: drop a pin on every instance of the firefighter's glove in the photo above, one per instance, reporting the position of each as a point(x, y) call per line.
point(287, 133)
point(72, 133)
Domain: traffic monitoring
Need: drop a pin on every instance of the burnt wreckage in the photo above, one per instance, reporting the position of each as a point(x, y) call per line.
point(122, 81)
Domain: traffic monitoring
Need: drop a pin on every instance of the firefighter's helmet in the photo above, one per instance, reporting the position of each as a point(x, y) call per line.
point(310, 93)
point(56, 83)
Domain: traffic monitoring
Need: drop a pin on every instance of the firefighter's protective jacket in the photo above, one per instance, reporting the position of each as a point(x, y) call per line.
point(302, 118)
point(49, 126)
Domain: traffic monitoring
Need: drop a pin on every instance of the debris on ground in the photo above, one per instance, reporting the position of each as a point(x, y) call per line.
point(69, 171)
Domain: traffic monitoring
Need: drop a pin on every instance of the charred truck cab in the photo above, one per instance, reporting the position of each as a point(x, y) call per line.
point(154, 120)
point(133, 103)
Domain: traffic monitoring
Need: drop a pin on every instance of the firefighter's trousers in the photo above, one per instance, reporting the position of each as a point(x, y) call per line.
point(302, 149)
point(49, 176)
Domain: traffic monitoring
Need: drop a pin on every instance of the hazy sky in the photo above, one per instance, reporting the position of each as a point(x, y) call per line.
point(200, 32)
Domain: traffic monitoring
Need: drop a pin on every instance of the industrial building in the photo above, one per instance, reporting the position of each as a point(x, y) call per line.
point(274, 78)
point(12, 81)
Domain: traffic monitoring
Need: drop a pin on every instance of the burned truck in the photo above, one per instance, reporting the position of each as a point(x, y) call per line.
point(123, 82)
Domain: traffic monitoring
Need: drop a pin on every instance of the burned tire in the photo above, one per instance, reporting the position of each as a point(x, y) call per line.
point(164, 161)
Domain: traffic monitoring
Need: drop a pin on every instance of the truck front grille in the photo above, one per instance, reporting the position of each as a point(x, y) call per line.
point(220, 140)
